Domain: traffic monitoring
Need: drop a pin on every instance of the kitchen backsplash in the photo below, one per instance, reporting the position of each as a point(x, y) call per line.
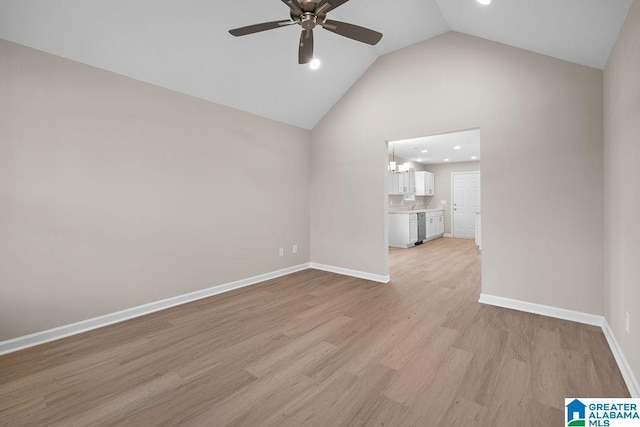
point(397, 201)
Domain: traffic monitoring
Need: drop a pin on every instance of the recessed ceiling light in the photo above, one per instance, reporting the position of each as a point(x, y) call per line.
point(457, 147)
point(474, 158)
point(424, 151)
point(484, 2)
point(446, 160)
point(418, 160)
point(314, 64)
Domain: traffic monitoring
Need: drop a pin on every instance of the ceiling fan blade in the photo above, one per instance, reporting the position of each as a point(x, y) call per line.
point(243, 31)
point(351, 31)
point(294, 5)
point(305, 53)
point(326, 5)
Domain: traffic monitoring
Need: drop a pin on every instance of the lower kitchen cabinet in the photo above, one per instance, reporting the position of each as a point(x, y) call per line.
point(433, 227)
point(413, 229)
point(403, 228)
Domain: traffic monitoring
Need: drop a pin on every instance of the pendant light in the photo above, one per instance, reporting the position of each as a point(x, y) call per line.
point(392, 164)
point(394, 167)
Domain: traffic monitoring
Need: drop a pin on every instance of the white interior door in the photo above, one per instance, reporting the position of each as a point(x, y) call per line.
point(466, 203)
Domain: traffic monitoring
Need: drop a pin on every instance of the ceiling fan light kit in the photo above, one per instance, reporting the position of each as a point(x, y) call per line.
point(309, 14)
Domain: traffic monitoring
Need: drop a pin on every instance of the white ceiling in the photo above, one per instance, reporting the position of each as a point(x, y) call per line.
point(440, 148)
point(580, 31)
point(185, 46)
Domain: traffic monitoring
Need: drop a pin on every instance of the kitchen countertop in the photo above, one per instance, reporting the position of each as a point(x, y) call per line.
point(410, 211)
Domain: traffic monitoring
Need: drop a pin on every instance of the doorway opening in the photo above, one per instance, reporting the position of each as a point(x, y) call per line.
point(434, 190)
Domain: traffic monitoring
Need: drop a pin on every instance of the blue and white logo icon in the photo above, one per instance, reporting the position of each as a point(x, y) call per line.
point(603, 412)
point(576, 413)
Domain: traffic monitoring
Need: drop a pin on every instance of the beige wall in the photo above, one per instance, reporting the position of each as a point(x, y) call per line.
point(621, 177)
point(442, 176)
point(542, 226)
point(116, 193)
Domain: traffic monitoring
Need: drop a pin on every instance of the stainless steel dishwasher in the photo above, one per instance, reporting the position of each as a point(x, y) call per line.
point(422, 227)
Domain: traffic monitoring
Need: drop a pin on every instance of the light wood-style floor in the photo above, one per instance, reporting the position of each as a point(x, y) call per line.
point(315, 348)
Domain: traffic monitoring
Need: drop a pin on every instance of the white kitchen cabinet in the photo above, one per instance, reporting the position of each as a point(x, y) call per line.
point(410, 181)
point(440, 218)
point(393, 182)
point(435, 224)
point(430, 184)
point(413, 229)
point(397, 183)
point(402, 183)
point(421, 182)
point(403, 229)
point(433, 227)
point(424, 183)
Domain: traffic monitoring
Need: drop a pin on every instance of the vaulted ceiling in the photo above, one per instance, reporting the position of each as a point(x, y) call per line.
point(184, 45)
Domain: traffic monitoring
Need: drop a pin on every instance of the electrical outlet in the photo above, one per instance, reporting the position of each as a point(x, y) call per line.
point(628, 323)
point(295, 249)
point(281, 251)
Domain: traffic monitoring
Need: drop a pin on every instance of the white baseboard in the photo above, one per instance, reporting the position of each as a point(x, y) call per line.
point(575, 316)
point(625, 368)
point(352, 273)
point(26, 341)
point(545, 310)
point(448, 235)
point(37, 338)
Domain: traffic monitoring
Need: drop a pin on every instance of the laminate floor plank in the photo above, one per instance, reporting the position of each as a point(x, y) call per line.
point(186, 402)
point(385, 412)
point(509, 402)
point(488, 348)
point(319, 349)
point(545, 368)
point(297, 345)
point(422, 369)
point(463, 412)
point(433, 401)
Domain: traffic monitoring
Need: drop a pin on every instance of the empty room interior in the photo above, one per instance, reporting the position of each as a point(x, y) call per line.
point(318, 212)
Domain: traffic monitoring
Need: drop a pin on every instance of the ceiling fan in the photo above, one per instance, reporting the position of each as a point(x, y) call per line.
point(309, 14)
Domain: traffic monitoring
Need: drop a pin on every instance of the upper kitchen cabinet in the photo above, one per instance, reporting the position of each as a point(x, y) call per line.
point(392, 184)
point(410, 181)
point(425, 183)
point(402, 183)
point(421, 183)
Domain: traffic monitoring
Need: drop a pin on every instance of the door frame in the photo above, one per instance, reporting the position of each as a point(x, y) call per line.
point(453, 195)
